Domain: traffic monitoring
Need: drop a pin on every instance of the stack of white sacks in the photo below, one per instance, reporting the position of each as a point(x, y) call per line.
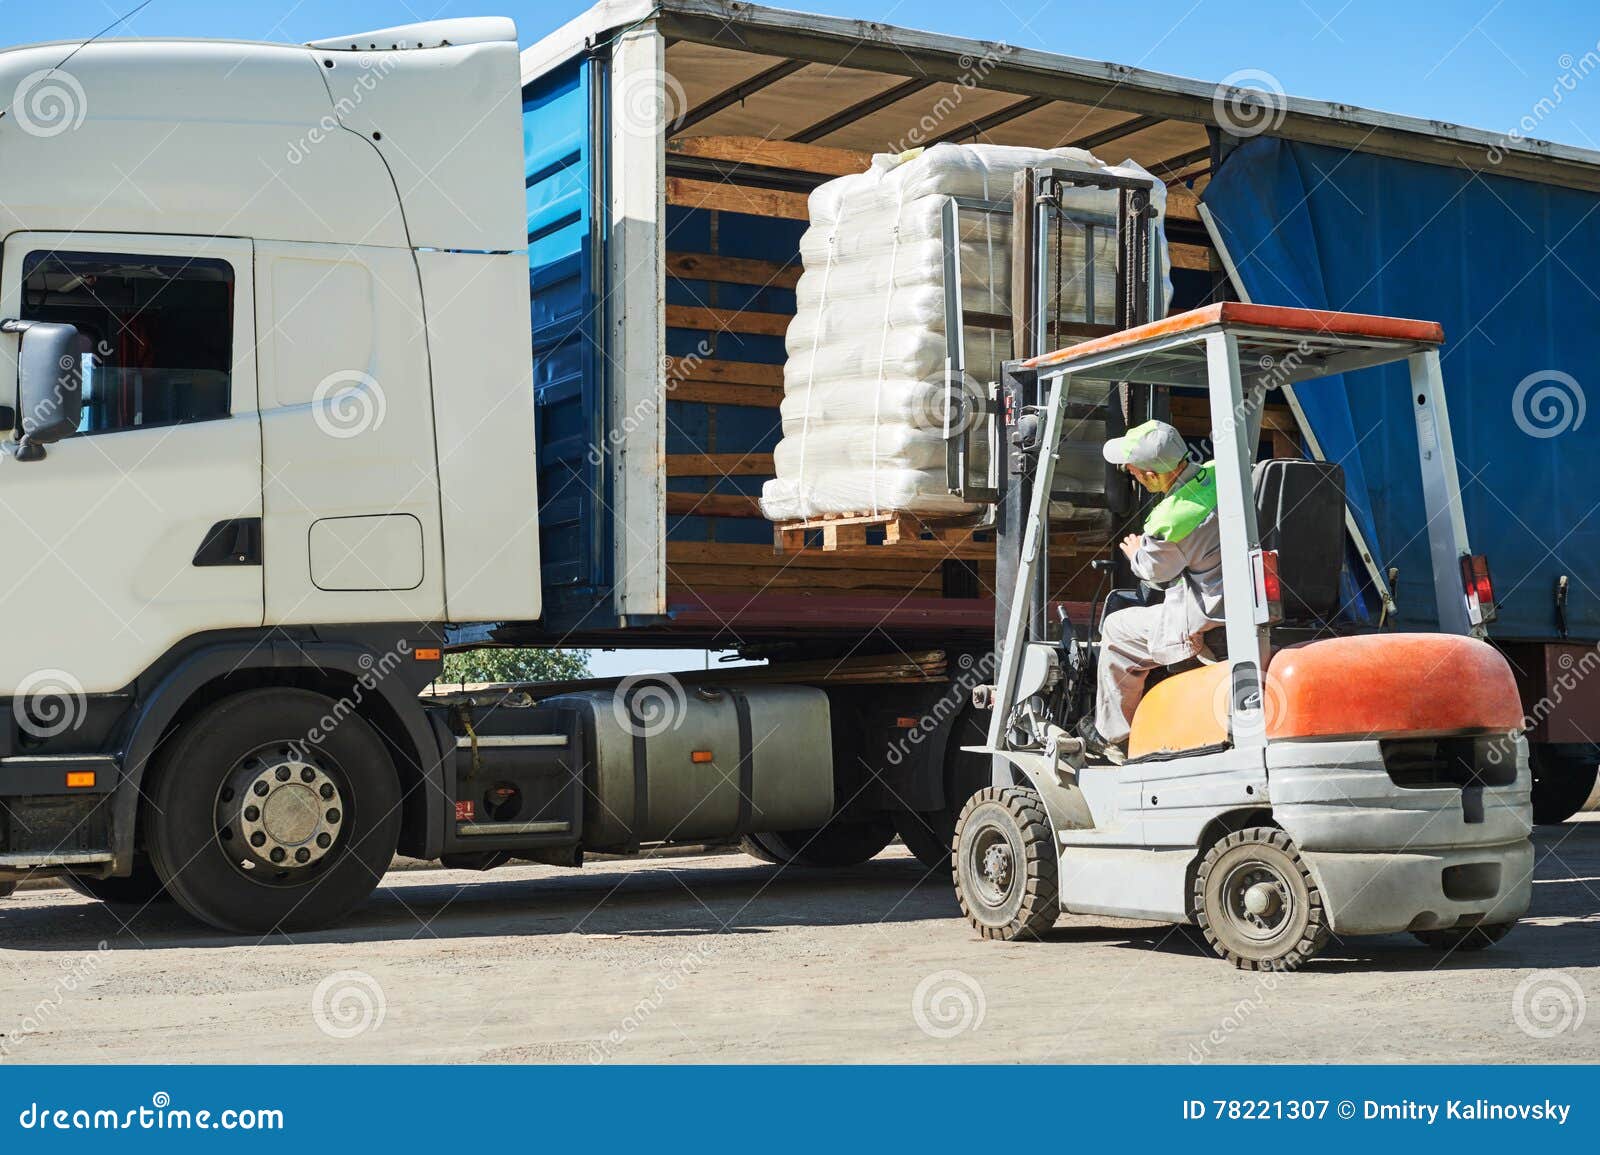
point(864, 385)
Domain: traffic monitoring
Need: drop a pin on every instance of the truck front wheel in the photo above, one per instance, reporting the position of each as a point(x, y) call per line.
point(273, 811)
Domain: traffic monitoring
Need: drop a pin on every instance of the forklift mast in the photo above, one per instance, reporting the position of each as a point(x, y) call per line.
point(1040, 224)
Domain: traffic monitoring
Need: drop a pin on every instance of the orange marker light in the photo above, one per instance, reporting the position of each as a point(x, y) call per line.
point(908, 723)
point(427, 654)
point(80, 779)
point(700, 756)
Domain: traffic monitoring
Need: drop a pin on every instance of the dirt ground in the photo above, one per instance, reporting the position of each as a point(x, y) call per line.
point(722, 959)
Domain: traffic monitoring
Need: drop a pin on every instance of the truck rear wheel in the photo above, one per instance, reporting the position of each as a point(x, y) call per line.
point(140, 888)
point(1562, 782)
point(1005, 864)
point(7, 889)
point(836, 844)
point(1257, 903)
point(267, 814)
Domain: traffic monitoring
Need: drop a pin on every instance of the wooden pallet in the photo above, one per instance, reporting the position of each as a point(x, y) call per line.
point(848, 531)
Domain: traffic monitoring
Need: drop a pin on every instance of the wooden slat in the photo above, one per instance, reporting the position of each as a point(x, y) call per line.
point(750, 396)
point(1189, 257)
point(1183, 204)
point(764, 153)
point(731, 270)
point(728, 320)
point(720, 465)
point(714, 372)
point(761, 556)
point(732, 198)
point(713, 505)
point(1192, 416)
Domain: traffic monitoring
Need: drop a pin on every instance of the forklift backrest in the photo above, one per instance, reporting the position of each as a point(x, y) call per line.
point(1300, 513)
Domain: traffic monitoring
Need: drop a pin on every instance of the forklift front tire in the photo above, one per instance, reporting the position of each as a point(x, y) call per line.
point(1257, 903)
point(1006, 867)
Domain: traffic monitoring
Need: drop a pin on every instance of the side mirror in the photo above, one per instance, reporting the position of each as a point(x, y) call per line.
point(49, 385)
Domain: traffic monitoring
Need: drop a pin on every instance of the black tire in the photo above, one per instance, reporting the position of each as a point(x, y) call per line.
point(7, 889)
point(1562, 783)
point(1259, 865)
point(139, 889)
point(931, 834)
point(751, 845)
point(928, 835)
point(836, 844)
point(1475, 937)
point(200, 829)
point(1005, 864)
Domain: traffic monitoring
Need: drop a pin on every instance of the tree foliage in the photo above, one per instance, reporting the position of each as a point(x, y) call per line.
point(499, 664)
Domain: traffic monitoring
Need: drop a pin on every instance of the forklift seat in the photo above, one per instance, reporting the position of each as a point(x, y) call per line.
point(1300, 513)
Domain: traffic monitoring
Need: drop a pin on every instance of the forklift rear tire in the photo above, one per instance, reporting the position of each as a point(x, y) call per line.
point(140, 889)
point(836, 844)
point(1256, 902)
point(1005, 864)
point(263, 819)
point(1475, 937)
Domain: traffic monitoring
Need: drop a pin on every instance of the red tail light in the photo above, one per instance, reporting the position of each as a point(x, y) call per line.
point(1269, 590)
point(1479, 588)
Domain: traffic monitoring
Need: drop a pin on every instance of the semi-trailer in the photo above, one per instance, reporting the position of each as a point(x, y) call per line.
point(347, 392)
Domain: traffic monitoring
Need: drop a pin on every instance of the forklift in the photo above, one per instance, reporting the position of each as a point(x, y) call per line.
point(1304, 777)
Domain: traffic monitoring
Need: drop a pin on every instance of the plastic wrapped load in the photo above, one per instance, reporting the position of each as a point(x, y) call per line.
point(868, 356)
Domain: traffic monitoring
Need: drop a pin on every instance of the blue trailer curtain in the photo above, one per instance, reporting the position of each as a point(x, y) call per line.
point(1500, 263)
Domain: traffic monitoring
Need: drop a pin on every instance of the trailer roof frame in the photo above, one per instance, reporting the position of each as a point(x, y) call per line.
point(936, 57)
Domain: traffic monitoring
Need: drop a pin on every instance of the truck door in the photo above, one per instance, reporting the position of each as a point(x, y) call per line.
point(142, 529)
point(351, 479)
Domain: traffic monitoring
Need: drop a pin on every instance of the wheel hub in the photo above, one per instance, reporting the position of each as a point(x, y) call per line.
point(280, 810)
point(1259, 900)
point(997, 866)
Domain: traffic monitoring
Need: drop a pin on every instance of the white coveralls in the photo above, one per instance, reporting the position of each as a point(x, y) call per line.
point(1139, 639)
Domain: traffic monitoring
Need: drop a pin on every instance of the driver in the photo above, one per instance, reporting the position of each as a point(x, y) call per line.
point(1180, 550)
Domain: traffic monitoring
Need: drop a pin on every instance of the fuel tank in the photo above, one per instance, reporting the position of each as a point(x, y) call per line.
point(669, 763)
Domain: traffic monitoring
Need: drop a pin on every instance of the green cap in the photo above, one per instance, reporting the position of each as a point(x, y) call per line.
point(1154, 446)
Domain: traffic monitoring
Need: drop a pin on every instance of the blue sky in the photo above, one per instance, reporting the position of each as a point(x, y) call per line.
point(1483, 63)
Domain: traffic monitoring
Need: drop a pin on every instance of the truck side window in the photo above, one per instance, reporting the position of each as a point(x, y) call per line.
point(161, 330)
